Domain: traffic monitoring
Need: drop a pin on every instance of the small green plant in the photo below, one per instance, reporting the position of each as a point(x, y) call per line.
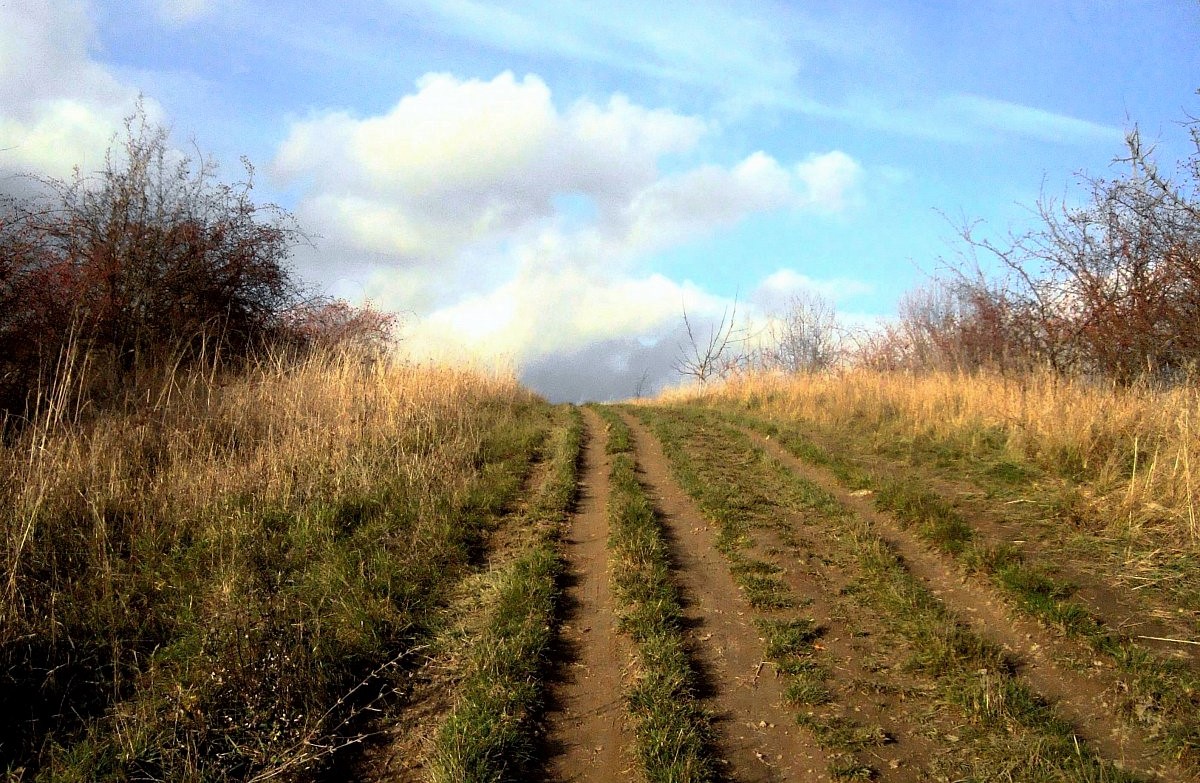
point(935, 521)
point(763, 589)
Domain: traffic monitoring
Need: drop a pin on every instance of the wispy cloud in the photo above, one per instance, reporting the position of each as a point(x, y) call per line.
point(760, 57)
point(958, 119)
point(1013, 119)
point(720, 48)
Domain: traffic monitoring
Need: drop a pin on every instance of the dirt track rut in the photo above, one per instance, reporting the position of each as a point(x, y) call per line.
point(586, 738)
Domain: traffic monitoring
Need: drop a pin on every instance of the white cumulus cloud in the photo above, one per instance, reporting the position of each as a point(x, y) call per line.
point(517, 230)
point(705, 199)
point(58, 107)
point(463, 160)
point(541, 313)
point(829, 180)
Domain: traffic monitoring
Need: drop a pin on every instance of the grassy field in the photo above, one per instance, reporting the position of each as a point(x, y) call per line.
point(219, 582)
point(351, 570)
point(1073, 502)
point(1128, 457)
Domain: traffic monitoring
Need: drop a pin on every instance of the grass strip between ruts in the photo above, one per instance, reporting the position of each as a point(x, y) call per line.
point(673, 734)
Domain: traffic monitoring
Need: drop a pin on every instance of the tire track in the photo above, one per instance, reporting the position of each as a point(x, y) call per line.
point(586, 737)
point(399, 751)
point(757, 735)
point(1085, 699)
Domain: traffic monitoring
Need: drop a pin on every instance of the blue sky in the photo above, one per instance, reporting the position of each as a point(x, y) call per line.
point(543, 185)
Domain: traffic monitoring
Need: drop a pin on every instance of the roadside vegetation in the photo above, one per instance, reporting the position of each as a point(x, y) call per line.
point(151, 264)
point(1124, 460)
point(1160, 689)
point(1003, 724)
point(491, 732)
point(216, 584)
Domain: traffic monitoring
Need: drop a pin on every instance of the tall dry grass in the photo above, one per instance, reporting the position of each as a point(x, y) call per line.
point(196, 586)
point(1134, 450)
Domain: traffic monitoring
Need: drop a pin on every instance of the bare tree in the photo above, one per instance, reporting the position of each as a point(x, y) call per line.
point(1111, 287)
point(713, 356)
point(639, 391)
point(806, 337)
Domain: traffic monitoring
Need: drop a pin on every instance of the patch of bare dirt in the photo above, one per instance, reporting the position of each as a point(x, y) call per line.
point(585, 724)
point(869, 680)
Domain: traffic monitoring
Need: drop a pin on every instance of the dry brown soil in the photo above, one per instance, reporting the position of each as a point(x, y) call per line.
point(585, 737)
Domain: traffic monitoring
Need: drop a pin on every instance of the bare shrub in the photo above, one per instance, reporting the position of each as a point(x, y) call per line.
point(948, 325)
point(150, 258)
point(324, 324)
point(1110, 289)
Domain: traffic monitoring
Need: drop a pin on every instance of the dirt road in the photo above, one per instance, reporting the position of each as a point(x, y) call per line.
point(585, 740)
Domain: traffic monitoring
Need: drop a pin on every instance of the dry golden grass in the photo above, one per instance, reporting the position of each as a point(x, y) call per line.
point(234, 549)
point(1135, 450)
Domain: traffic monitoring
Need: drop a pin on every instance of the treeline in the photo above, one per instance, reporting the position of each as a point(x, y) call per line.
point(1107, 290)
point(151, 263)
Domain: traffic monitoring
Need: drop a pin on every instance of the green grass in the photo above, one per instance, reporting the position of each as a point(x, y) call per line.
point(758, 580)
point(620, 440)
point(843, 734)
point(934, 520)
point(490, 733)
point(789, 646)
point(788, 638)
point(673, 734)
